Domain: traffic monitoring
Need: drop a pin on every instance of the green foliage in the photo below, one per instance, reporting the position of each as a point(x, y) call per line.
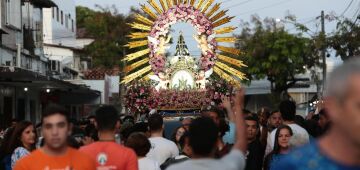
point(273, 53)
point(346, 39)
point(108, 28)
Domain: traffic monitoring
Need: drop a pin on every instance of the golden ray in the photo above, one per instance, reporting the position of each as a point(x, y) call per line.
point(140, 26)
point(135, 75)
point(174, 2)
point(230, 60)
point(222, 21)
point(180, 2)
point(200, 3)
point(192, 2)
point(169, 3)
point(226, 39)
point(146, 77)
point(136, 64)
point(155, 6)
point(163, 5)
point(143, 19)
point(226, 76)
point(138, 35)
point(135, 55)
point(215, 8)
point(207, 5)
point(229, 50)
point(231, 70)
point(218, 15)
point(225, 30)
point(135, 44)
point(149, 12)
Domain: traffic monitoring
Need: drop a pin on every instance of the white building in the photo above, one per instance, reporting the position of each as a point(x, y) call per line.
point(26, 86)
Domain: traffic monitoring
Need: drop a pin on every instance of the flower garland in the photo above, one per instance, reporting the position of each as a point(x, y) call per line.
point(181, 13)
point(142, 97)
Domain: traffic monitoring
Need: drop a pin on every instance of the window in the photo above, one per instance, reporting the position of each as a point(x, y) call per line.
point(62, 18)
point(66, 21)
point(57, 14)
point(13, 13)
point(53, 12)
point(72, 25)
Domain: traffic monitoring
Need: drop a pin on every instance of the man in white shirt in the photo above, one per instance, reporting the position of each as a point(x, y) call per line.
point(203, 134)
point(288, 112)
point(161, 148)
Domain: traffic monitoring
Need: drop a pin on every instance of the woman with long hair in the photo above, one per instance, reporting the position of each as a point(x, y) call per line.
point(22, 141)
point(175, 137)
point(282, 145)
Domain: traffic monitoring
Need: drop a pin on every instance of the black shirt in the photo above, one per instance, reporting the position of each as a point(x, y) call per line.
point(254, 155)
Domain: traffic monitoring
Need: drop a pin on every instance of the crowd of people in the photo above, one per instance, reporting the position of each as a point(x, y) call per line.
point(226, 137)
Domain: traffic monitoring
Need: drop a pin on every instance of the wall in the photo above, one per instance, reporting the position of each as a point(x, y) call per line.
point(98, 85)
point(56, 32)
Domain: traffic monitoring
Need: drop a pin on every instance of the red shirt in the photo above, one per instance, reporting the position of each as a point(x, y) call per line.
point(111, 156)
point(72, 159)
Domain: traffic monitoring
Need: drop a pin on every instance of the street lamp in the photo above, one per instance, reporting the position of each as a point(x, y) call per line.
point(47, 90)
point(26, 89)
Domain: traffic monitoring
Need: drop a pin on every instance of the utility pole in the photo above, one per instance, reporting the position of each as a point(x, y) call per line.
point(323, 48)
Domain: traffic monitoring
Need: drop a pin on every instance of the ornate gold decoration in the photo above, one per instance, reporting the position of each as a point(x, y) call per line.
point(145, 22)
point(163, 5)
point(231, 70)
point(228, 50)
point(218, 15)
point(226, 39)
point(207, 5)
point(169, 3)
point(138, 35)
point(135, 75)
point(135, 44)
point(136, 65)
point(230, 60)
point(138, 54)
point(222, 21)
point(200, 3)
point(225, 30)
point(146, 77)
point(226, 76)
point(215, 8)
point(155, 6)
point(148, 11)
point(143, 19)
point(140, 26)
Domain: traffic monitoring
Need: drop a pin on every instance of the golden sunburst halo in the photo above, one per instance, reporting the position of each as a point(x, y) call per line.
point(226, 63)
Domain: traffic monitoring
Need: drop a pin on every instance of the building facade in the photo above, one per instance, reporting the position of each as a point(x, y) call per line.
point(32, 48)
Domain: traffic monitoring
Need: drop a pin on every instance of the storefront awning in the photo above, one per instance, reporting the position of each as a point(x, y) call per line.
point(18, 77)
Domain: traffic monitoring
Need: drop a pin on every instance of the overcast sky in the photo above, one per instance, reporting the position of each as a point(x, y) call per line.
point(305, 10)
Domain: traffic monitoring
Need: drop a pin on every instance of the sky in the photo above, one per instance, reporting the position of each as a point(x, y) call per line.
point(306, 12)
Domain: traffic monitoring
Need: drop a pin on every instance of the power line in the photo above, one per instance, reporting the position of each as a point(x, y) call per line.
point(238, 4)
point(265, 7)
point(347, 8)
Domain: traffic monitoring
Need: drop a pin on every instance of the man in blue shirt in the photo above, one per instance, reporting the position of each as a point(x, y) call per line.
point(339, 149)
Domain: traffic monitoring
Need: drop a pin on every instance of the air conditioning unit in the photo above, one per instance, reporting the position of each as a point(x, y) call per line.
point(54, 66)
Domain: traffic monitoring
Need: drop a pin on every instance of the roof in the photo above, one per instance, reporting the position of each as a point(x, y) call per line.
point(42, 3)
point(99, 73)
point(20, 77)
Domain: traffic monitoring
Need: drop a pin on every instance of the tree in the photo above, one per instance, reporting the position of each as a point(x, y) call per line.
point(108, 28)
point(273, 53)
point(346, 39)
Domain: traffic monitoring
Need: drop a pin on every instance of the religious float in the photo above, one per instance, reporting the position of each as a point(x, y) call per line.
point(180, 82)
